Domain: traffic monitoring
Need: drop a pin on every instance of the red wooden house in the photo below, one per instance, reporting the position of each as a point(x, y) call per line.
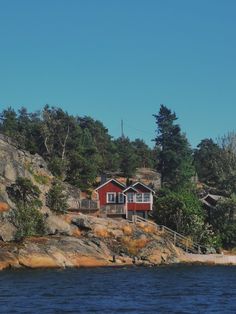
point(117, 199)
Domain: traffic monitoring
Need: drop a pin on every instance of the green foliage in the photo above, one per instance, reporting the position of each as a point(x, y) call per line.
point(175, 156)
point(223, 220)
point(8, 124)
point(56, 198)
point(28, 220)
point(58, 167)
point(144, 155)
point(41, 179)
point(182, 212)
point(216, 163)
point(77, 149)
point(127, 158)
point(24, 192)
point(206, 159)
point(26, 217)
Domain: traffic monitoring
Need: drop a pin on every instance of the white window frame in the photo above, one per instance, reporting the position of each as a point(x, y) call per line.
point(139, 198)
point(121, 198)
point(149, 198)
point(128, 197)
point(114, 195)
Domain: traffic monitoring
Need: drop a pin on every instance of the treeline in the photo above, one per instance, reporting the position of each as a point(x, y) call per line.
point(77, 149)
point(187, 175)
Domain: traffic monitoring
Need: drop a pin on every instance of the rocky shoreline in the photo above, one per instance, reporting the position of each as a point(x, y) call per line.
point(86, 241)
point(100, 242)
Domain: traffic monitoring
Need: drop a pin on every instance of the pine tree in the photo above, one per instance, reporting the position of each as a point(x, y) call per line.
point(175, 156)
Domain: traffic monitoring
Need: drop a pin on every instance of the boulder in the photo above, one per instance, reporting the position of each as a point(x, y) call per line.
point(57, 225)
point(7, 231)
point(83, 222)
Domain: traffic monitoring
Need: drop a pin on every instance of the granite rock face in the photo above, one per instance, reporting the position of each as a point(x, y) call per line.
point(18, 163)
point(97, 242)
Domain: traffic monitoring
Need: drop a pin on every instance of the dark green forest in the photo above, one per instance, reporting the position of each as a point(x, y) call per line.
point(79, 149)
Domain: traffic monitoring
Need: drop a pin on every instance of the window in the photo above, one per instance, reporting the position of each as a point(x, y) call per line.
point(146, 197)
point(120, 198)
point(130, 197)
point(139, 198)
point(111, 197)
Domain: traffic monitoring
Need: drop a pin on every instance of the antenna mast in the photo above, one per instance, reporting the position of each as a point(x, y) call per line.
point(122, 129)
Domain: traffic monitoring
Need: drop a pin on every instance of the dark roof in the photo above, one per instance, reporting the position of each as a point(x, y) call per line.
point(144, 185)
point(125, 187)
point(105, 183)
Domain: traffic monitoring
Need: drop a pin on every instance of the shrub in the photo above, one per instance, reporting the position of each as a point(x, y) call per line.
point(57, 198)
point(26, 216)
point(28, 220)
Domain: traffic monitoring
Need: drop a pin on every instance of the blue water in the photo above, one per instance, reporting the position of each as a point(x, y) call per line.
point(176, 289)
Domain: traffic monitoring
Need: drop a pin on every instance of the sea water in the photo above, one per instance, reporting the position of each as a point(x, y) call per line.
point(168, 289)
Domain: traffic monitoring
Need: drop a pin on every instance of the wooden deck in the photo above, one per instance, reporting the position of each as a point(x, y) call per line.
point(113, 209)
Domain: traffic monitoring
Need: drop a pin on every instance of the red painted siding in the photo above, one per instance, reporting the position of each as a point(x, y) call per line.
point(109, 187)
point(139, 206)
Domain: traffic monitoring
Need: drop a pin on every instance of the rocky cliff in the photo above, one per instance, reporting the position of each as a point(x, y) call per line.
point(19, 163)
point(91, 241)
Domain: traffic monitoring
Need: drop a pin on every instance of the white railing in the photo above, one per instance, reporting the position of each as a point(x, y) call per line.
point(176, 238)
point(114, 209)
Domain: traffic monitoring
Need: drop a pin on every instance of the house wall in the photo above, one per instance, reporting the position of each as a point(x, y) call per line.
point(109, 187)
point(139, 206)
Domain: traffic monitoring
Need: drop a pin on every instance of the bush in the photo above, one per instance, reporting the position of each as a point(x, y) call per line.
point(26, 217)
point(224, 222)
point(182, 212)
point(28, 220)
point(23, 191)
point(56, 198)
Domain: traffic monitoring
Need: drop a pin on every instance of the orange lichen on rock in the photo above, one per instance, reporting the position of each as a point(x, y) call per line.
point(38, 261)
point(148, 228)
point(134, 245)
point(4, 207)
point(128, 230)
point(76, 232)
point(101, 232)
point(87, 261)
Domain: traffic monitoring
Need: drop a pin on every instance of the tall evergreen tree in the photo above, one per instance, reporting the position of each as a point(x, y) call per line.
point(127, 157)
point(175, 156)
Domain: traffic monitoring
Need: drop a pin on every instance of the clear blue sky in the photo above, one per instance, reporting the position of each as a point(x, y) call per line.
point(114, 59)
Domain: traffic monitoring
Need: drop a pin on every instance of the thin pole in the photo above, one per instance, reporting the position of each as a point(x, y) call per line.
point(122, 128)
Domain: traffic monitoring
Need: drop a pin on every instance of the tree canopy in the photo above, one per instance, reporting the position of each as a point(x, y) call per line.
point(174, 160)
point(77, 149)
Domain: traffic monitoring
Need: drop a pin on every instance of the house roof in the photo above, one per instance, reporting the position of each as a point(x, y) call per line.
point(130, 188)
point(126, 188)
point(144, 185)
point(211, 200)
point(105, 183)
